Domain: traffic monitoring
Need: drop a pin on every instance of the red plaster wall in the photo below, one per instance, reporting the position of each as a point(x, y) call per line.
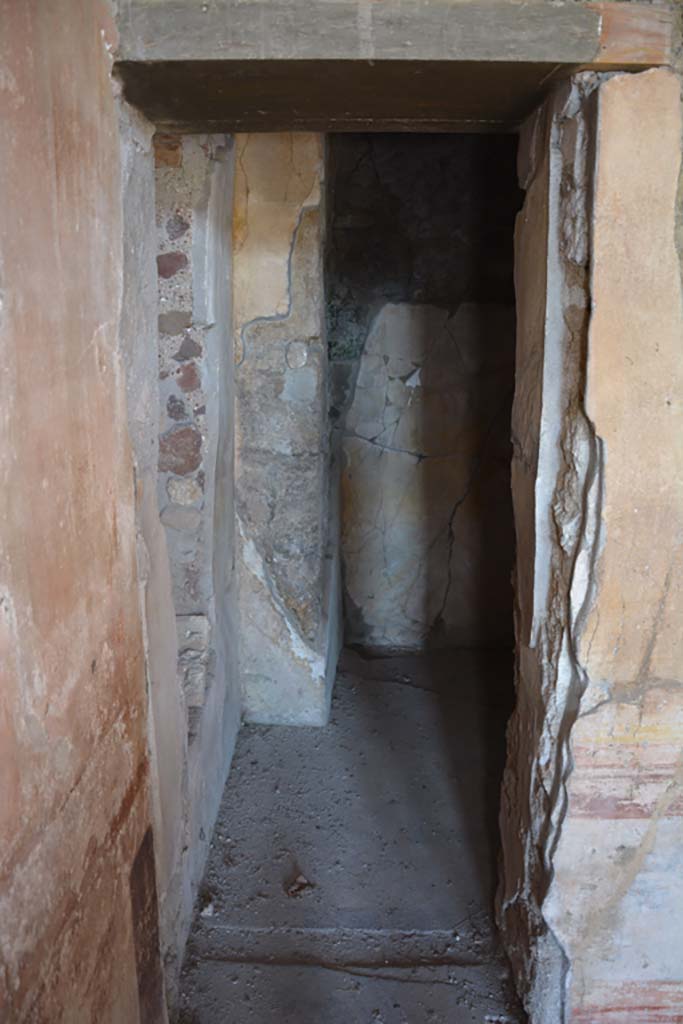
point(73, 767)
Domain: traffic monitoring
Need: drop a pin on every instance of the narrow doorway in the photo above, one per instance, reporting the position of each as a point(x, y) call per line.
point(353, 868)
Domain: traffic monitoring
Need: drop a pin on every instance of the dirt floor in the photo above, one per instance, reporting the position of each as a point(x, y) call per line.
point(353, 868)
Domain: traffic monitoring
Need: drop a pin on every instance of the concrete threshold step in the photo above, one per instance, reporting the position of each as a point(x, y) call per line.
point(339, 947)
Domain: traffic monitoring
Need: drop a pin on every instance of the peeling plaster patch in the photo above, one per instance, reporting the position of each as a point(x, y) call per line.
point(297, 354)
point(288, 588)
point(301, 386)
point(556, 464)
point(254, 563)
point(595, 778)
point(624, 796)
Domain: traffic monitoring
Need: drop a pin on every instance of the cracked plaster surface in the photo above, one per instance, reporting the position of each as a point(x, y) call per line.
point(592, 806)
point(618, 858)
point(425, 479)
point(287, 581)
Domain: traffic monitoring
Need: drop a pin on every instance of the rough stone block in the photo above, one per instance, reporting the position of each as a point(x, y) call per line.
point(180, 450)
point(174, 322)
point(169, 263)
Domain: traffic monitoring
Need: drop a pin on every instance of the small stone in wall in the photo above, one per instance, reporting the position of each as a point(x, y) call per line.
point(179, 517)
point(168, 150)
point(174, 322)
point(180, 450)
point(176, 226)
point(183, 491)
point(169, 263)
point(175, 407)
point(192, 670)
point(193, 658)
point(193, 632)
point(297, 354)
point(189, 349)
point(188, 377)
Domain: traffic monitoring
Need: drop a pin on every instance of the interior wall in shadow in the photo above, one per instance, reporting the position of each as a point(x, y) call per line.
point(420, 319)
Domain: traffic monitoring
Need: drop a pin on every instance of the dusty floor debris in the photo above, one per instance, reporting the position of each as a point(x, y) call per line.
point(383, 826)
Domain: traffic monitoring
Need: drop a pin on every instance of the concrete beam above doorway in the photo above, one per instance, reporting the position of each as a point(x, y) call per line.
point(349, 65)
point(564, 32)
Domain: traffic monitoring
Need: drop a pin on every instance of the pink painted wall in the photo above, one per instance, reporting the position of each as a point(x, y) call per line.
point(592, 809)
point(73, 763)
point(618, 879)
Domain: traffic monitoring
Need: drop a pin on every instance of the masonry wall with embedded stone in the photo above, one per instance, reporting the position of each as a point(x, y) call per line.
point(195, 478)
point(420, 313)
point(592, 812)
point(288, 552)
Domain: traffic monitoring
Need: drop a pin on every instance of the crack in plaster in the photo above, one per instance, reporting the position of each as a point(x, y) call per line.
point(479, 461)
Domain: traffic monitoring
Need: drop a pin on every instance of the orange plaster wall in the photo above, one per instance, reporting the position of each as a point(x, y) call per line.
point(73, 762)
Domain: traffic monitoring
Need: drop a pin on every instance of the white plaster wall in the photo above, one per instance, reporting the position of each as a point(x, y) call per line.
point(427, 535)
point(421, 329)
